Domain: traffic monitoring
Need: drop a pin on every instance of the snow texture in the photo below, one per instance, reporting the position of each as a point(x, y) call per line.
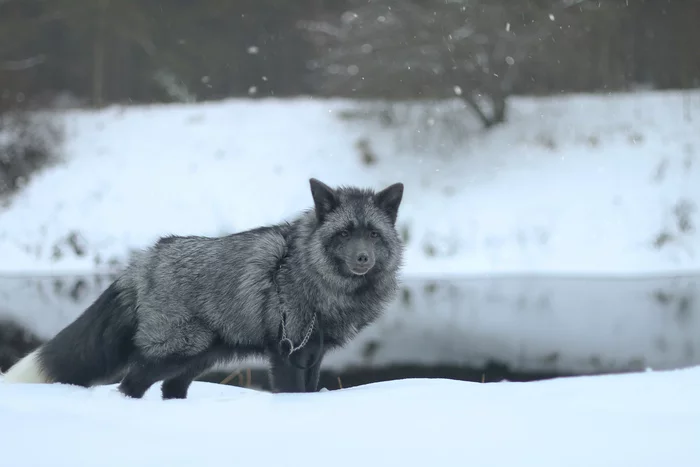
point(583, 184)
point(641, 420)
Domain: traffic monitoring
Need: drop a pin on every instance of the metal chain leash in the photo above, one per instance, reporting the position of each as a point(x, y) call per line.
point(285, 339)
point(306, 338)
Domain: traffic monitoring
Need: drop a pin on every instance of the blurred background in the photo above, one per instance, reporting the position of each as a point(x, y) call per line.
point(549, 150)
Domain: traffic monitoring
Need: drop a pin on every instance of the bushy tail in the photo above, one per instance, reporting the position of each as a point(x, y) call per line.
point(91, 350)
point(27, 370)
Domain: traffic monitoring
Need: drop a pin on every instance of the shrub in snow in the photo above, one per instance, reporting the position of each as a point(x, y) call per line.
point(27, 143)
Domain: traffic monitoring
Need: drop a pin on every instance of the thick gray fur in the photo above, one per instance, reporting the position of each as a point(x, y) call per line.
point(187, 303)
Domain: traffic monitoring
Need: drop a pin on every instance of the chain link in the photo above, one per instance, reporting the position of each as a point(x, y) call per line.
point(283, 314)
point(306, 338)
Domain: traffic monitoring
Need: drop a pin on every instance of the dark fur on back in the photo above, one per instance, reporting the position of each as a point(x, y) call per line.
point(187, 303)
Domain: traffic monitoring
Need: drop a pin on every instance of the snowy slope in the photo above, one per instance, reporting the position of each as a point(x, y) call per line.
point(639, 420)
point(606, 184)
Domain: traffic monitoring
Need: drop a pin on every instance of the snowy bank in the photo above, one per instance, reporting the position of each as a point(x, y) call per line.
point(586, 184)
point(640, 420)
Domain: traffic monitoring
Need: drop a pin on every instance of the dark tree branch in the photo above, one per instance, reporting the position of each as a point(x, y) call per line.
point(474, 44)
point(24, 64)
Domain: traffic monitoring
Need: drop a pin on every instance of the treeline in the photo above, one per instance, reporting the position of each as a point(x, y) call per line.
point(118, 51)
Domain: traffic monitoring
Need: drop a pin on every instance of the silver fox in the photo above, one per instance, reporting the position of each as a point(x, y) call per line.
point(288, 292)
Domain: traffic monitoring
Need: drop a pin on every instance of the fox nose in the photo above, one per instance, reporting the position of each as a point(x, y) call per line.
point(360, 262)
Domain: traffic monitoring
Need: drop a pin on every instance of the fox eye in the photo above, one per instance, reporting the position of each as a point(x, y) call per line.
point(344, 233)
point(374, 234)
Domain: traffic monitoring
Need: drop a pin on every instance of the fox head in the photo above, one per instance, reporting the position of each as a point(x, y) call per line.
point(356, 228)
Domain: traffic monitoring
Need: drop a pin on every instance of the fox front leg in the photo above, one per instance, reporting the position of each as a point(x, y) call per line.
point(311, 358)
point(285, 377)
point(298, 372)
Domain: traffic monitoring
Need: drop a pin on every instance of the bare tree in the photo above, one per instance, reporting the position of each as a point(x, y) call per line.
point(469, 48)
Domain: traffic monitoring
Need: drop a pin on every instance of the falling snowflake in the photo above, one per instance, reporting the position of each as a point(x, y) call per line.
point(348, 16)
point(253, 50)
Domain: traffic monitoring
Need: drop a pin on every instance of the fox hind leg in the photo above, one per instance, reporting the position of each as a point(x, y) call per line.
point(176, 372)
point(176, 387)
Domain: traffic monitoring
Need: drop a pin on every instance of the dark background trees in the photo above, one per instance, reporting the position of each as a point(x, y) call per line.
point(109, 51)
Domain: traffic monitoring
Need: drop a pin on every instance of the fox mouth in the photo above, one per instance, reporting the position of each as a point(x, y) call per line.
point(360, 270)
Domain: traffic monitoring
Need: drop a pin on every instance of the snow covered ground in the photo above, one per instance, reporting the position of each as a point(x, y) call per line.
point(637, 420)
point(545, 325)
point(606, 184)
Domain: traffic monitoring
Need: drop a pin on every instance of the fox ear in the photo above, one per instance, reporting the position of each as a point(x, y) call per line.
point(389, 200)
point(324, 197)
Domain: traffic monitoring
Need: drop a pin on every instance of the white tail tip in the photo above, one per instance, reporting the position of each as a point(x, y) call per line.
point(27, 370)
